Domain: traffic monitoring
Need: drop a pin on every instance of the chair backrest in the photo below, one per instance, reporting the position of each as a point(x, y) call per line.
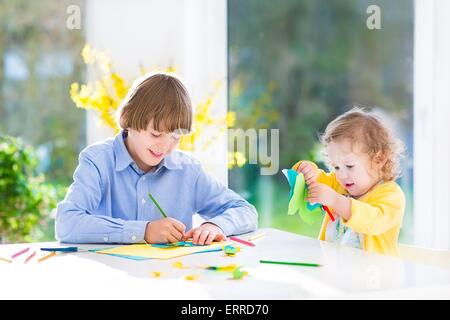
point(438, 258)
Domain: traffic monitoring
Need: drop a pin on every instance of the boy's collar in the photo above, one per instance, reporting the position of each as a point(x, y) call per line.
point(124, 159)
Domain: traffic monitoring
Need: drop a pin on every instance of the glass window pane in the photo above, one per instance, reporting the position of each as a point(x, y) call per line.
point(39, 59)
point(297, 65)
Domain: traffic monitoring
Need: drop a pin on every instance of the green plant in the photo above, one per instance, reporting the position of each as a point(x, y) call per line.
point(26, 200)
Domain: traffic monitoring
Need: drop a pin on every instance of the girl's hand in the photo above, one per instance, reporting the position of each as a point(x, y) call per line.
point(164, 230)
point(309, 172)
point(205, 234)
point(321, 193)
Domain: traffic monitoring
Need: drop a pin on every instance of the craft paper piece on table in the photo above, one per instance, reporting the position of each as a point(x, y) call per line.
point(179, 265)
point(155, 274)
point(118, 255)
point(174, 244)
point(144, 258)
point(297, 203)
point(228, 268)
point(238, 274)
point(127, 257)
point(209, 250)
point(230, 250)
point(99, 249)
point(147, 251)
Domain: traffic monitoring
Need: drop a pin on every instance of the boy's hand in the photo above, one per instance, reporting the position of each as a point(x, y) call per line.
point(308, 171)
point(164, 230)
point(321, 193)
point(205, 234)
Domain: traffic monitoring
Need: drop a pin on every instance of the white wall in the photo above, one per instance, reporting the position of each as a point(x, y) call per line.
point(432, 124)
point(190, 35)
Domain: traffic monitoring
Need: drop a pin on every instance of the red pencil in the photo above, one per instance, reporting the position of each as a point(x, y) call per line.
point(329, 212)
point(30, 256)
point(242, 241)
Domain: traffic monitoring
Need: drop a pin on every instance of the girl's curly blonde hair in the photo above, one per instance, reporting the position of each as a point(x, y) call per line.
point(368, 130)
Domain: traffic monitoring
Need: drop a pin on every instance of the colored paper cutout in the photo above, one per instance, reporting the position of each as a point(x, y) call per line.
point(238, 274)
point(174, 244)
point(297, 204)
point(148, 251)
point(155, 274)
point(230, 250)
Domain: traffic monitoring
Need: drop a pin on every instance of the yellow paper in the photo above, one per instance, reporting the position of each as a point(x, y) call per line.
point(144, 250)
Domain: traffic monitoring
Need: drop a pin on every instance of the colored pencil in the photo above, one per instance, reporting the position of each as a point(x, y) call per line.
point(242, 241)
point(51, 254)
point(15, 255)
point(157, 204)
point(30, 256)
point(329, 212)
point(301, 264)
point(256, 236)
point(6, 260)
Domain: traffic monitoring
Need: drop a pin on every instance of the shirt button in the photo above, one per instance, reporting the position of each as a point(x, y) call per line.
point(143, 178)
point(105, 239)
point(143, 201)
point(133, 238)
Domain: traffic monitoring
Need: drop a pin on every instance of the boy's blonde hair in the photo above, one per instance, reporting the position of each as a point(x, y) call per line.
point(160, 98)
point(377, 139)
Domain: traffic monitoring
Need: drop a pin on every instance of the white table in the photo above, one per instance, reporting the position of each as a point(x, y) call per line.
point(346, 273)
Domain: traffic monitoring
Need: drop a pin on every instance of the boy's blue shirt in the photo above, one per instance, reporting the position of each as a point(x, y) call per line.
point(108, 200)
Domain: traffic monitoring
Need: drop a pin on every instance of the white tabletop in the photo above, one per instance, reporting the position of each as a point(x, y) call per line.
point(346, 272)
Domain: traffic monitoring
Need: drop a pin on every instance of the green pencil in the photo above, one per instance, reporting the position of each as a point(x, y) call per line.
point(157, 204)
point(302, 264)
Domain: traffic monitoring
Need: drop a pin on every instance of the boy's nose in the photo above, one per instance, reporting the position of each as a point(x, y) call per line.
point(164, 145)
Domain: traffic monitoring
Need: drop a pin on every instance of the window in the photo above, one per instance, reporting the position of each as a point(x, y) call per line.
point(297, 65)
point(39, 59)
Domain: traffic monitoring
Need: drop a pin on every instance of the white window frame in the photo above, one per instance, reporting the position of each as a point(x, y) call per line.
point(431, 124)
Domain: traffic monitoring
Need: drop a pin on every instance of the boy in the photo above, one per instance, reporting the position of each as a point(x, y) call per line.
point(108, 200)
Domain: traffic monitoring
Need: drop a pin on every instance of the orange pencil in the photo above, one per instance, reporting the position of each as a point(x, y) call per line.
point(51, 254)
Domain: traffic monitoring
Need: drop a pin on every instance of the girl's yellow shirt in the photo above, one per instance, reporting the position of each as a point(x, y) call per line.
point(377, 215)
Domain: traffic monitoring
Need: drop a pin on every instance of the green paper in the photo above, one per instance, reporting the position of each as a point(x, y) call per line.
point(298, 203)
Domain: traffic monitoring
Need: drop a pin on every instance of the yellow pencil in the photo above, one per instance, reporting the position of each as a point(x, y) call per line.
point(257, 236)
point(51, 254)
point(6, 260)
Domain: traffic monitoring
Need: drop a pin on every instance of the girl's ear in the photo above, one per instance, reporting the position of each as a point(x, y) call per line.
point(379, 160)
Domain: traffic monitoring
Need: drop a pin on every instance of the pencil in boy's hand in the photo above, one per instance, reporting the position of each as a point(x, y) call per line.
point(156, 204)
